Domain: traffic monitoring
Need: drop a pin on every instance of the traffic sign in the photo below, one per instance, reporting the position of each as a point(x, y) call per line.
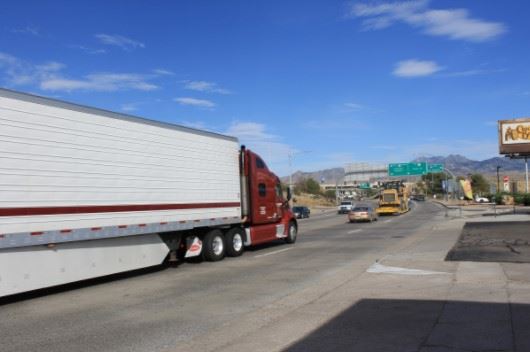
point(364, 186)
point(506, 179)
point(418, 168)
point(407, 169)
point(401, 169)
point(434, 168)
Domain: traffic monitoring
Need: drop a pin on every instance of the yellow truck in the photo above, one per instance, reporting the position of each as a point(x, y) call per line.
point(393, 198)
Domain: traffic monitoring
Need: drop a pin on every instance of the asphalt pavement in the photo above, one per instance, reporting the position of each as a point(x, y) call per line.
point(381, 286)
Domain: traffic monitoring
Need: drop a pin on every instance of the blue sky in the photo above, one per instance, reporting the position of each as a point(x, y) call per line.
point(330, 82)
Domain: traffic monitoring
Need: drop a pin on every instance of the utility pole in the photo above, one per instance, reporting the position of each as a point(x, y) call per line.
point(526, 171)
point(499, 182)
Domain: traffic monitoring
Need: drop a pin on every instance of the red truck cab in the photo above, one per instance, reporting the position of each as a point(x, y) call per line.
point(266, 212)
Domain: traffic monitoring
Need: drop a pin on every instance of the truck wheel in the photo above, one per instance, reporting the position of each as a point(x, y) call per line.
point(214, 246)
point(234, 240)
point(292, 232)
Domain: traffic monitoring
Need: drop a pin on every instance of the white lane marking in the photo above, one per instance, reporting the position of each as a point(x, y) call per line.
point(275, 252)
point(377, 268)
point(354, 231)
point(387, 221)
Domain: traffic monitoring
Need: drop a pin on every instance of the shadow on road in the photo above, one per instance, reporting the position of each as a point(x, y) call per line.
point(424, 326)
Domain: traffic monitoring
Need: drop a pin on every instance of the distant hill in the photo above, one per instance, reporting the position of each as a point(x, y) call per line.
point(458, 164)
point(461, 165)
point(328, 175)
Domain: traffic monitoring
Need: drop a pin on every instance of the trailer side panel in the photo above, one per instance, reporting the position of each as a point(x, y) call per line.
point(66, 168)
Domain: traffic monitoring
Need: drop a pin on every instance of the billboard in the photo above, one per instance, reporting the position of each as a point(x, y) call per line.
point(514, 136)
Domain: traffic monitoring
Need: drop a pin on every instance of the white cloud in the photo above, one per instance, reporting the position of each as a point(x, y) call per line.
point(450, 23)
point(18, 72)
point(162, 72)
point(204, 86)
point(250, 131)
point(106, 82)
point(49, 77)
point(416, 68)
point(255, 136)
point(474, 72)
point(119, 41)
point(88, 50)
point(129, 107)
point(27, 30)
point(353, 106)
point(201, 103)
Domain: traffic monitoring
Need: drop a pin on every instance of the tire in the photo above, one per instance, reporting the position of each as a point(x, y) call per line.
point(234, 240)
point(292, 232)
point(214, 246)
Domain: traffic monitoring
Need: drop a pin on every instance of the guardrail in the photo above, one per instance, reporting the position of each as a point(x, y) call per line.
point(487, 209)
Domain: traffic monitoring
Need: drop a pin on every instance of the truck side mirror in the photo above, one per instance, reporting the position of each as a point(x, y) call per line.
point(289, 195)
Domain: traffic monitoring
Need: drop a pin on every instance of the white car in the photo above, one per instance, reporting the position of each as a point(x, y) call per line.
point(345, 207)
point(480, 199)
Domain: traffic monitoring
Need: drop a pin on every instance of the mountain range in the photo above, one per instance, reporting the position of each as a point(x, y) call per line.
point(457, 164)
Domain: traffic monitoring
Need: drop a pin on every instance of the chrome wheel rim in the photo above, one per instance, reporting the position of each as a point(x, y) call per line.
point(292, 232)
point(237, 242)
point(217, 245)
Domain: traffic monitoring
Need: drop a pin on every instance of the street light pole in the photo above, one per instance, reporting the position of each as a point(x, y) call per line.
point(526, 171)
point(498, 181)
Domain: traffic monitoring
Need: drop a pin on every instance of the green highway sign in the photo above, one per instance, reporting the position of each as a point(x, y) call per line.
point(400, 169)
point(364, 186)
point(434, 168)
point(417, 168)
point(407, 169)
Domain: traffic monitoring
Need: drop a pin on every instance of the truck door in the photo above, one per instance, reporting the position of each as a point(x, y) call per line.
point(263, 193)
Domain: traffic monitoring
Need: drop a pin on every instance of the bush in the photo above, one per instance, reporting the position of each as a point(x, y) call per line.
point(498, 198)
point(526, 199)
point(522, 199)
point(518, 198)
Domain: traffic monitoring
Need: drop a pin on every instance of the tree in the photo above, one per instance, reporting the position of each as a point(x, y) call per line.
point(313, 186)
point(433, 182)
point(479, 184)
point(307, 185)
point(330, 194)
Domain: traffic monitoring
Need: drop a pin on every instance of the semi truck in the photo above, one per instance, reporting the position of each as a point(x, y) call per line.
point(86, 193)
point(393, 198)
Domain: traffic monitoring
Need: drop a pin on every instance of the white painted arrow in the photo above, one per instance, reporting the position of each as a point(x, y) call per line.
point(377, 268)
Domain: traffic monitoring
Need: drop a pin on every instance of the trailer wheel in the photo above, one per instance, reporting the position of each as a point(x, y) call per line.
point(214, 246)
point(292, 232)
point(234, 239)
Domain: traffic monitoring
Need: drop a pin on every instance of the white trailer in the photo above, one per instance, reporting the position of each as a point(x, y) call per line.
point(84, 192)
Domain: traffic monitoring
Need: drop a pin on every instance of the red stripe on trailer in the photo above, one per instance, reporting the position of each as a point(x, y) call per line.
point(2, 236)
point(163, 223)
point(197, 220)
point(84, 209)
point(96, 228)
point(182, 221)
point(212, 219)
point(65, 231)
point(37, 233)
point(122, 226)
point(142, 225)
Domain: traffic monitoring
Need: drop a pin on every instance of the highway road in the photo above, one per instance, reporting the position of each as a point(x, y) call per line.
point(205, 306)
